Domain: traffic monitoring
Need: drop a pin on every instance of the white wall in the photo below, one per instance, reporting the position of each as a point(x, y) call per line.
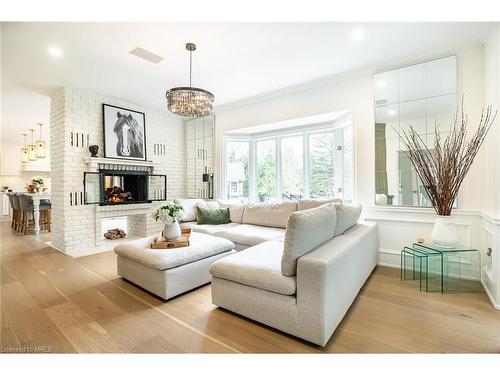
point(355, 92)
point(76, 227)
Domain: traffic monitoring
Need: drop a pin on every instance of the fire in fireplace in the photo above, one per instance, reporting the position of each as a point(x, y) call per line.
point(112, 187)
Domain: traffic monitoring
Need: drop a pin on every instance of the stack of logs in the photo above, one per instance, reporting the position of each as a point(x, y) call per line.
point(114, 234)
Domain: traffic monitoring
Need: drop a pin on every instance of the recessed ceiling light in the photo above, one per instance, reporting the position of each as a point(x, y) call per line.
point(55, 52)
point(357, 35)
point(381, 84)
point(392, 112)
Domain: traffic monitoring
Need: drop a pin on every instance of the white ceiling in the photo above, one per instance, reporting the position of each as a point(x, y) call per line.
point(233, 60)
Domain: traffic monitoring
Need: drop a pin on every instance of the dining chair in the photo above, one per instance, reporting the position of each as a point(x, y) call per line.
point(27, 214)
point(14, 204)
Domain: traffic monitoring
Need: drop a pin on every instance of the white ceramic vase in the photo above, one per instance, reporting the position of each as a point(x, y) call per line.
point(172, 231)
point(444, 233)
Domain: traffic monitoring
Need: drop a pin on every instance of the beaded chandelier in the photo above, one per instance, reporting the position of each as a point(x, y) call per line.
point(190, 101)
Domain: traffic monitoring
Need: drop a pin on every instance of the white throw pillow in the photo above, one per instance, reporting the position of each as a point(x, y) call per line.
point(306, 204)
point(306, 230)
point(209, 204)
point(188, 208)
point(269, 214)
point(347, 216)
point(235, 210)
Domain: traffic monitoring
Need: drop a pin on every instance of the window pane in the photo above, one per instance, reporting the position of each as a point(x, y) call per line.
point(237, 170)
point(292, 167)
point(266, 170)
point(323, 158)
point(348, 172)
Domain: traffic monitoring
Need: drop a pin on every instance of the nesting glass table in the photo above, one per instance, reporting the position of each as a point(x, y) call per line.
point(439, 269)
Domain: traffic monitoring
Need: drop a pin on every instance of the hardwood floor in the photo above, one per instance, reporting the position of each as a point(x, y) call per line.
point(52, 302)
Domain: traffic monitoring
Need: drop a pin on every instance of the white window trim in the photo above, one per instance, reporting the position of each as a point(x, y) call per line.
point(305, 132)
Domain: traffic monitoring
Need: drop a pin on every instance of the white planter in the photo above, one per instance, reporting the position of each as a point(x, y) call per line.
point(444, 233)
point(172, 231)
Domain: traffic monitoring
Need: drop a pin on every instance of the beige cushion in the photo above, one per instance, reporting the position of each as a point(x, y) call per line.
point(306, 204)
point(235, 210)
point(201, 246)
point(269, 214)
point(258, 266)
point(249, 235)
point(189, 208)
point(212, 228)
point(347, 216)
point(306, 230)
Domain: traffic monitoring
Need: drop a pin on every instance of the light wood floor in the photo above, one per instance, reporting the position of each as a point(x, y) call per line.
point(81, 305)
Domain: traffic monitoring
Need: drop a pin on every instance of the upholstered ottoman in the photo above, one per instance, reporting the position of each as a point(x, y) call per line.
point(170, 272)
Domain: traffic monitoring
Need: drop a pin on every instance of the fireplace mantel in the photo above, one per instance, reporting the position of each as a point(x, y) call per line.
point(94, 163)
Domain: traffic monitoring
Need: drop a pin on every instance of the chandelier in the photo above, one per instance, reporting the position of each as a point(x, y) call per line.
point(24, 151)
point(190, 101)
point(32, 147)
point(40, 145)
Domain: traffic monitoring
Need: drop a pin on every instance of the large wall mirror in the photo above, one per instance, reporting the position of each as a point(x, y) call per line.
point(199, 155)
point(421, 96)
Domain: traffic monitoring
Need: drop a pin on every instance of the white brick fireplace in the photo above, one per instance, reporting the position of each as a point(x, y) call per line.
point(76, 123)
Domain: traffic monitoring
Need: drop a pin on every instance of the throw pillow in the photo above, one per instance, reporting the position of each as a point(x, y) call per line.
point(305, 231)
point(306, 204)
point(188, 208)
point(235, 210)
point(213, 215)
point(208, 204)
point(347, 216)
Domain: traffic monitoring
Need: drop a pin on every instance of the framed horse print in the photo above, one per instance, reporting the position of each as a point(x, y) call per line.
point(124, 133)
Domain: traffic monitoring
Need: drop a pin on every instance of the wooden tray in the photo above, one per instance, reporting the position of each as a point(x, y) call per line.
point(182, 241)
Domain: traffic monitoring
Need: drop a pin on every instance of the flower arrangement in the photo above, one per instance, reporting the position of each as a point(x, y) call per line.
point(168, 213)
point(37, 180)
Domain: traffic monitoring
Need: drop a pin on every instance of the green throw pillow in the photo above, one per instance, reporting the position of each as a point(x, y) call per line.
point(213, 215)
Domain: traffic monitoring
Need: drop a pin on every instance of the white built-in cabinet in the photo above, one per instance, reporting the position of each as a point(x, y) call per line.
point(199, 155)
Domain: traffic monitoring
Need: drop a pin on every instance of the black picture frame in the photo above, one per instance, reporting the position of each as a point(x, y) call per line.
point(136, 122)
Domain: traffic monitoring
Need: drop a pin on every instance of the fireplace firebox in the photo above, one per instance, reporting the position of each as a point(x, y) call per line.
point(114, 187)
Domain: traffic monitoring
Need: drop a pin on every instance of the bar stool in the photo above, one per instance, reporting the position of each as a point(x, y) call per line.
point(16, 210)
point(27, 214)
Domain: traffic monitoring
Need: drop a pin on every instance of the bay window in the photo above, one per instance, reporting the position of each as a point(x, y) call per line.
point(313, 162)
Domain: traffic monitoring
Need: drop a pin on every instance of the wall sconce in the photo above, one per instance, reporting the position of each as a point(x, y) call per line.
point(208, 177)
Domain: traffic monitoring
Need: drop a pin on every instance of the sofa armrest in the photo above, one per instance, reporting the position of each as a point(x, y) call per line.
point(330, 277)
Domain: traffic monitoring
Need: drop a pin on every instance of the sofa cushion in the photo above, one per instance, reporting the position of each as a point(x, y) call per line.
point(201, 246)
point(268, 214)
point(258, 266)
point(211, 228)
point(212, 215)
point(188, 208)
point(347, 216)
point(306, 230)
point(250, 235)
point(235, 210)
point(306, 204)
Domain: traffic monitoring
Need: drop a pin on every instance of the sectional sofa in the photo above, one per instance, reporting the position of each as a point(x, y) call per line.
point(299, 265)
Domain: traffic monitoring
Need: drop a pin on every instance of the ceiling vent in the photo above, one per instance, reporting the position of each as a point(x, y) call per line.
point(146, 55)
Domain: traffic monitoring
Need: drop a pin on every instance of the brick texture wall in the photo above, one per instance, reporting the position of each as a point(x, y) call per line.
point(77, 114)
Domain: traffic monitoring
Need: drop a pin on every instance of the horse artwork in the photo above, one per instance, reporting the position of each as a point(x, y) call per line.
point(124, 133)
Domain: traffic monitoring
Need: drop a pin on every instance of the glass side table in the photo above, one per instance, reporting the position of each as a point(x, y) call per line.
point(445, 270)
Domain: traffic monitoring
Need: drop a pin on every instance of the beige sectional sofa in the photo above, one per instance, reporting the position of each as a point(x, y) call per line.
point(300, 279)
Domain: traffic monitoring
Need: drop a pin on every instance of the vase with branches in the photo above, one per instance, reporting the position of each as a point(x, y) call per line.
point(443, 168)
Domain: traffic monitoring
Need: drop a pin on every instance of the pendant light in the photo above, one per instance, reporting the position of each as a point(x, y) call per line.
point(24, 151)
point(40, 145)
point(32, 147)
point(190, 101)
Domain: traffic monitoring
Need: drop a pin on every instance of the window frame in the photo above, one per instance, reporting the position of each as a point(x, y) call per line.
point(337, 127)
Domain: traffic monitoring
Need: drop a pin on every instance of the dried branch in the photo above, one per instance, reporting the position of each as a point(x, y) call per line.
point(443, 169)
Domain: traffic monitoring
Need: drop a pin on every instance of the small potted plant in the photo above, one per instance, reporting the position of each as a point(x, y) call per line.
point(38, 182)
point(170, 214)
